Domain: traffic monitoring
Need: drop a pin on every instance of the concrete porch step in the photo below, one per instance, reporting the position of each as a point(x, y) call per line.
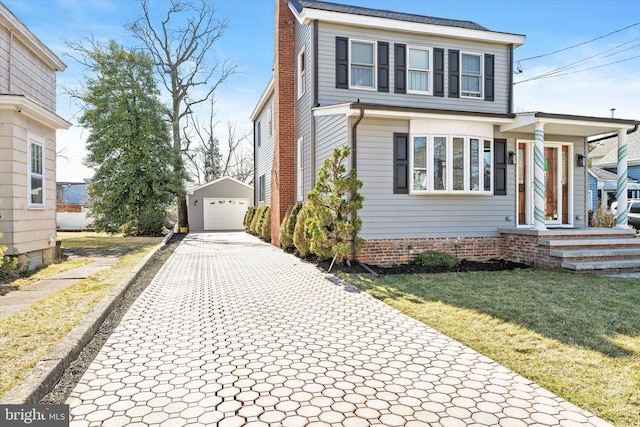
point(595, 252)
point(625, 241)
point(625, 264)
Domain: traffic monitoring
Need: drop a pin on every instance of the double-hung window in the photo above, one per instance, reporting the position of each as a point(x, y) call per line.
point(451, 164)
point(419, 71)
point(471, 75)
point(261, 188)
point(302, 80)
point(300, 169)
point(362, 65)
point(36, 173)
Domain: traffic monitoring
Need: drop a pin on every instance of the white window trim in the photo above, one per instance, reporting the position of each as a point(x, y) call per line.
point(39, 141)
point(302, 72)
point(375, 65)
point(449, 159)
point(300, 168)
point(429, 71)
point(481, 77)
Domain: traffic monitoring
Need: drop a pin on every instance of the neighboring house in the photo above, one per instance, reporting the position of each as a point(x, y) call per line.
point(603, 185)
point(219, 205)
point(72, 203)
point(28, 124)
point(604, 166)
point(426, 105)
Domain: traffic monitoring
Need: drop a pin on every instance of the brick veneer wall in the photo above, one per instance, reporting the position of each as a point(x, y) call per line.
point(386, 252)
point(525, 249)
point(283, 171)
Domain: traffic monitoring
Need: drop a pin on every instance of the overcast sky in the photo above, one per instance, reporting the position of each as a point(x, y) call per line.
point(600, 75)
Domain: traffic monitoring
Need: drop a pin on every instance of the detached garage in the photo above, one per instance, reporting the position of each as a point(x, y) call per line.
point(219, 205)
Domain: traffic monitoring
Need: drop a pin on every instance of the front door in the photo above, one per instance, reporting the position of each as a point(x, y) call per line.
point(557, 181)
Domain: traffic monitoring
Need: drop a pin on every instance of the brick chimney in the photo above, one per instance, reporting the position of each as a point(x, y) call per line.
point(283, 171)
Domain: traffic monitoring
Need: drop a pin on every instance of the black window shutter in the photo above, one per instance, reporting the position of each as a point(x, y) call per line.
point(438, 72)
point(383, 67)
point(454, 74)
point(500, 167)
point(489, 71)
point(400, 163)
point(342, 63)
point(400, 53)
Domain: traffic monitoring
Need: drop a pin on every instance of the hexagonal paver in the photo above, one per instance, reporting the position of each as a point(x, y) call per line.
point(234, 332)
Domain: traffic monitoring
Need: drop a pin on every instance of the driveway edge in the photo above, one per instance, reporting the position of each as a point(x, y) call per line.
point(42, 377)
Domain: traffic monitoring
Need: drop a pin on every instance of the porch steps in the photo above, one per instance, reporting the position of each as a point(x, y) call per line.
point(596, 254)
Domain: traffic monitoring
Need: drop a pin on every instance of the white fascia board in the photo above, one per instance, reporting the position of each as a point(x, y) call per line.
point(438, 116)
point(23, 105)
point(192, 190)
point(19, 30)
point(334, 110)
point(307, 15)
point(266, 95)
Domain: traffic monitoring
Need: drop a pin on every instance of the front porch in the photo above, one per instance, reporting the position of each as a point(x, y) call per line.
point(578, 249)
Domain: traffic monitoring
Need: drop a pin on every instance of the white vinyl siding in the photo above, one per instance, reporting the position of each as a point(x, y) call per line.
point(328, 94)
point(264, 148)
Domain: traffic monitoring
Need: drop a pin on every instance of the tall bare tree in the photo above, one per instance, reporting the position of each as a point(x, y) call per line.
point(181, 45)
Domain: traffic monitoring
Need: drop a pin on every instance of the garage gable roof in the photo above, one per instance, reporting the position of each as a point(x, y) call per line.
point(217, 181)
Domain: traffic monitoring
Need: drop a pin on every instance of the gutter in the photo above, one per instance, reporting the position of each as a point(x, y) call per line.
point(354, 165)
point(613, 135)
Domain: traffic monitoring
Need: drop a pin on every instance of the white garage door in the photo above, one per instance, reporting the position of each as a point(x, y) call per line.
point(224, 214)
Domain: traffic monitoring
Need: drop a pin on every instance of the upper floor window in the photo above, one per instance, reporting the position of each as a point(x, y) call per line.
point(451, 164)
point(362, 65)
point(419, 70)
point(471, 75)
point(258, 134)
point(36, 173)
point(302, 81)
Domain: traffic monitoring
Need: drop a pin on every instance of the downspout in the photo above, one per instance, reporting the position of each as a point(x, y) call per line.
point(511, 78)
point(354, 165)
point(314, 102)
point(613, 135)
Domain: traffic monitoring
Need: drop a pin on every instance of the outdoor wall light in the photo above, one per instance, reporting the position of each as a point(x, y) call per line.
point(195, 202)
point(579, 217)
point(511, 158)
point(580, 160)
point(509, 218)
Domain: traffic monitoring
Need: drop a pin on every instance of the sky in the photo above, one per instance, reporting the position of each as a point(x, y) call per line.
point(601, 75)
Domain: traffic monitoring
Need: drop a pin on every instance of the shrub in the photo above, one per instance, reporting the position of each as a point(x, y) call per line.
point(248, 215)
point(152, 221)
point(265, 231)
point(436, 259)
point(253, 228)
point(300, 234)
point(333, 221)
point(288, 226)
point(603, 218)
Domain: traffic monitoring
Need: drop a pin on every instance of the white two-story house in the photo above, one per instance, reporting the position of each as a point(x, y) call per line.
point(426, 106)
point(28, 124)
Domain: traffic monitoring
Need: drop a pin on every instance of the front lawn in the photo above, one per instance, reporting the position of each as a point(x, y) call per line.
point(576, 335)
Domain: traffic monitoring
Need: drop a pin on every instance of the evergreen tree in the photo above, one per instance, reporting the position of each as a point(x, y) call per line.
point(137, 172)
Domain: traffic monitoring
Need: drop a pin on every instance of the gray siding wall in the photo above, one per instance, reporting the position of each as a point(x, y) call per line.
point(329, 95)
point(387, 215)
point(304, 35)
point(331, 132)
point(264, 152)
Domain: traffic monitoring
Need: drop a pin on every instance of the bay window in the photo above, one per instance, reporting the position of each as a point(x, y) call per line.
point(451, 164)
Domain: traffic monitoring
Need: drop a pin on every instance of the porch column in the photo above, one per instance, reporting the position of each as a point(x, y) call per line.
point(621, 190)
point(539, 199)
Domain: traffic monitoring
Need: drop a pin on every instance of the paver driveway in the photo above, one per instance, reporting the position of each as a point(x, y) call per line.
point(233, 331)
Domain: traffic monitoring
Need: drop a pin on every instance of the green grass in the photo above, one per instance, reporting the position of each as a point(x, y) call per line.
point(576, 335)
point(28, 335)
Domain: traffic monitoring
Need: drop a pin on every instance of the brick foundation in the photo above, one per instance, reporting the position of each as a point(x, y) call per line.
point(387, 252)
